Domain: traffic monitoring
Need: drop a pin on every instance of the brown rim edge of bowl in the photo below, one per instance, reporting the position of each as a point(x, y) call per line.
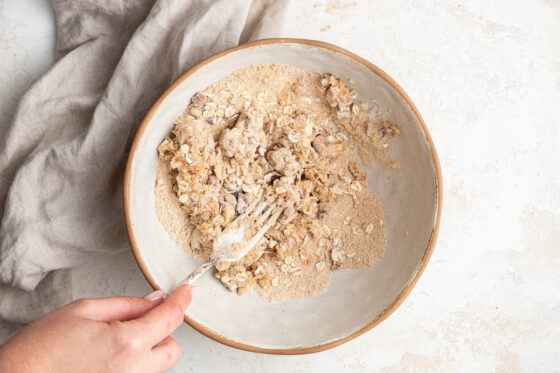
point(427, 254)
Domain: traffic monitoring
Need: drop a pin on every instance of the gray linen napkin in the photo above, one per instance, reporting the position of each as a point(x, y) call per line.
point(62, 162)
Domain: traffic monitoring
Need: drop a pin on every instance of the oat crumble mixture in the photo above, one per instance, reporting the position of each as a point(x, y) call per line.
point(278, 133)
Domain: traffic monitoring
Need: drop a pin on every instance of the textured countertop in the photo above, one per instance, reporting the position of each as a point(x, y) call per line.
point(486, 78)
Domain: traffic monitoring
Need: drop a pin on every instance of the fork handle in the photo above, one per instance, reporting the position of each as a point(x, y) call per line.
point(199, 271)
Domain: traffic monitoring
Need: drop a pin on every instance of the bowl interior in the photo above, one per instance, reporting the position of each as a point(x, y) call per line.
point(354, 298)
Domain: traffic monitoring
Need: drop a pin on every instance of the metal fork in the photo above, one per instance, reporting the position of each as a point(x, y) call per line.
point(239, 231)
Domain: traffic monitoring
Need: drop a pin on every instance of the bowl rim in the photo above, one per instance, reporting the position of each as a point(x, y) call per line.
point(427, 253)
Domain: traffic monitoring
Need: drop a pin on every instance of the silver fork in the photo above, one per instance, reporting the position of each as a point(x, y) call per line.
point(223, 250)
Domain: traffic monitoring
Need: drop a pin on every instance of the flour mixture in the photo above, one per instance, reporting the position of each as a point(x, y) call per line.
point(278, 133)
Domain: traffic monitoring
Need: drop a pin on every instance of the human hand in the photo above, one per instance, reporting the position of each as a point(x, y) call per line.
point(120, 334)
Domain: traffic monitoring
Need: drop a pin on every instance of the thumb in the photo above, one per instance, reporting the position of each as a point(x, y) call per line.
point(116, 308)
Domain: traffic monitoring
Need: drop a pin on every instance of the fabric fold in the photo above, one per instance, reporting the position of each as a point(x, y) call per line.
point(62, 165)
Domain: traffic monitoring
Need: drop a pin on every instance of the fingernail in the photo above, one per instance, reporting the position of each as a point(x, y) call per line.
point(154, 295)
point(194, 291)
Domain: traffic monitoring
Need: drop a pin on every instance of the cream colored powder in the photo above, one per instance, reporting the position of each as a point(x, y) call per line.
point(276, 120)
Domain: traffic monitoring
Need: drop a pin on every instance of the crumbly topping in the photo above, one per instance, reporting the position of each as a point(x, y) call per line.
point(272, 131)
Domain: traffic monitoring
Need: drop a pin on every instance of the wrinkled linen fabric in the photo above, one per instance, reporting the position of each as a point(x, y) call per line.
point(62, 161)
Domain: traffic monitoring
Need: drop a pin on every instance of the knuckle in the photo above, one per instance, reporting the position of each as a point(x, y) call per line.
point(125, 338)
point(173, 352)
point(135, 343)
point(84, 303)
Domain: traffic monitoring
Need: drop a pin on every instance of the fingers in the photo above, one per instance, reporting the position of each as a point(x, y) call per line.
point(165, 354)
point(163, 319)
point(115, 308)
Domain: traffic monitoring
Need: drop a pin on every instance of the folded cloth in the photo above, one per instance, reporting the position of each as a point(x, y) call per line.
point(62, 162)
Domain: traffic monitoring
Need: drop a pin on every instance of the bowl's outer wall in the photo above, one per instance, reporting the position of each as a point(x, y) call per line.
point(355, 300)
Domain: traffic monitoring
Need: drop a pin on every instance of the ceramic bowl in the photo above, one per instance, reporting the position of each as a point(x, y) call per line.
point(355, 300)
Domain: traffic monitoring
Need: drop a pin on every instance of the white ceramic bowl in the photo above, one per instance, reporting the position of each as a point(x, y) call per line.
point(355, 300)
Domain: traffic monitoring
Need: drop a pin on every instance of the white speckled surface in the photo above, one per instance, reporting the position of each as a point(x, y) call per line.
point(486, 78)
